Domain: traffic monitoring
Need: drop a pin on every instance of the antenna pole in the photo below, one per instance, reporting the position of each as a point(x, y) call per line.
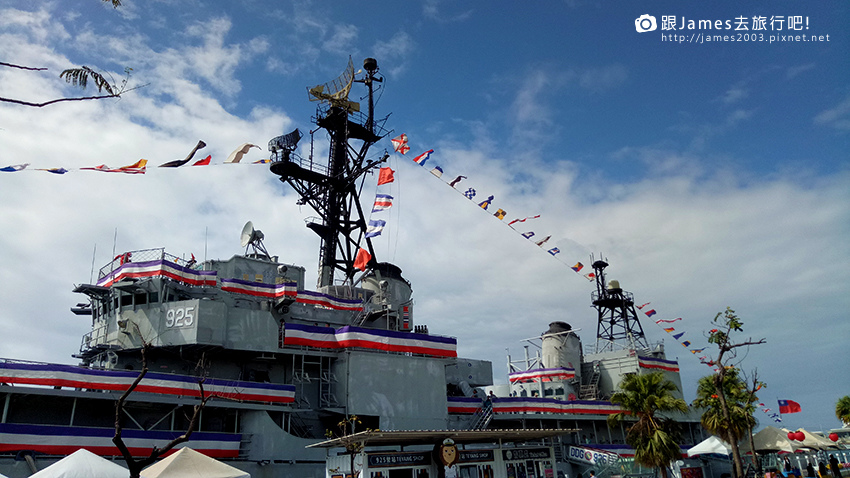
point(332, 191)
point(93, 254)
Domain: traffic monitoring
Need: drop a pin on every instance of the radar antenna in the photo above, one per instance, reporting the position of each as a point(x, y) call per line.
point(618, 322)
point(335, 92)
point(333, 189)
point(253, 239)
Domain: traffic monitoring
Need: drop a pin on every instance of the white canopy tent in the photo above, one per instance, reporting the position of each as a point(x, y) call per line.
point(188, 463)
point(813, 442)
point(83, 464)
point(771, 439)
point(711, 444)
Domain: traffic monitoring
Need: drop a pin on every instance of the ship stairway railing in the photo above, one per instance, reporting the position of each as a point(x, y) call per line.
point(245, 445)
point(361, 316)
point(297, 426)
point(559, 452)
point(485, 415)
point(590, 391)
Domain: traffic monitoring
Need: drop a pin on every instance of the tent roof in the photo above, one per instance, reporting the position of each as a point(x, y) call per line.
point(188, 463)
point(711, 444)
point(771, 439)
point(83, 464)
point(813, 441)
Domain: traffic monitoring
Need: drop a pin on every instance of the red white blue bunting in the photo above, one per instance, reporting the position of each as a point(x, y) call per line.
point(466, 405)
point(57, 375)
point(358, 337)
point(543, 374)
point(258, 289)
point(62, 440)
point(158, 268)
point(658, 364)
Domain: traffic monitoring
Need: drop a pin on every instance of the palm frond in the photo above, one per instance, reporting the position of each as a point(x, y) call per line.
point(79, 77)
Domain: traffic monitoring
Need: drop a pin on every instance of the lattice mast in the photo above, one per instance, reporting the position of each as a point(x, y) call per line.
point(333, 191)
point(618, 324)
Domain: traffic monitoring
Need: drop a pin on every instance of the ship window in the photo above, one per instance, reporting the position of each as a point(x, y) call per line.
point(126, 299)
point(30, 409)
point(257, 376)
point(154, 297)
point(140, 298)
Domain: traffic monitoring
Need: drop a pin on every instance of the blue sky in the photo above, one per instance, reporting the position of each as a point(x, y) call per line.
point(709, 174)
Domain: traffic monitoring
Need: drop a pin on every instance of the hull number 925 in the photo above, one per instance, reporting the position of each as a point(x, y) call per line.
point(180, 317)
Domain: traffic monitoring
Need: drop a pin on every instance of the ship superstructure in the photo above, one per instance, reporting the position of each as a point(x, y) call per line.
point(286, 362)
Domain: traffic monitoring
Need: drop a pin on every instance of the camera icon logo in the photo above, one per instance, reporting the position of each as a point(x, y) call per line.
point(645, 23)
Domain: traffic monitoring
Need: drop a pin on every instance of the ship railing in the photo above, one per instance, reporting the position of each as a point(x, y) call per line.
point(303, 163)
point(628, 296)
point(141, 255)
point(96, 336)
point(359, 117)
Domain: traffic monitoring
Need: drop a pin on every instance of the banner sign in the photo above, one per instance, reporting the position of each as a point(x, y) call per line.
point(399, 459)
point(526, 454)
point(594, 457)
point(472, 456)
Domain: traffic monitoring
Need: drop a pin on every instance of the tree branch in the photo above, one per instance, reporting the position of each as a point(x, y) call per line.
point(11, 65)
point(46, 103)
point(119, 407)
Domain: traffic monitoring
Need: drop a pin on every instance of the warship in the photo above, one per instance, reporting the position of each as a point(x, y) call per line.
point(285, 365)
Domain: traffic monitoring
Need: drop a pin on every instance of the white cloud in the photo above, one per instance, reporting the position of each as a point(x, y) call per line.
point(395, 52)
point(837, 117)
point(341, 40)
point(603, 78)
point(436, 10)
point(734, 94)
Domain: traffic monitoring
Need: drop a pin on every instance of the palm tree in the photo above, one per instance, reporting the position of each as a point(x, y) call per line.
point(737, 399)
point(842, 409)
point(652, 437)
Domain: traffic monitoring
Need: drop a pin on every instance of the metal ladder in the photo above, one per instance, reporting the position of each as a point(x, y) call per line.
point(485, 415)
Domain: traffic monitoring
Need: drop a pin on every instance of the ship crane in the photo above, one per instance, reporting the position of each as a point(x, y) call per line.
point(333, 189)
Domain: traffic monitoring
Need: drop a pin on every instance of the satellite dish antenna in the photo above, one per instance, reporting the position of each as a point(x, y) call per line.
point(253, 238)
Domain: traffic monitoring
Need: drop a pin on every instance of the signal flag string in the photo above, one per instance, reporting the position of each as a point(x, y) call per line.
point(401, 146)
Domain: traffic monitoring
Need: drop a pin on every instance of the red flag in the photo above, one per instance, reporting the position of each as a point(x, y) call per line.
point(789, 406)
point(363, 258)
point(385, 176)
point(203, 162)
